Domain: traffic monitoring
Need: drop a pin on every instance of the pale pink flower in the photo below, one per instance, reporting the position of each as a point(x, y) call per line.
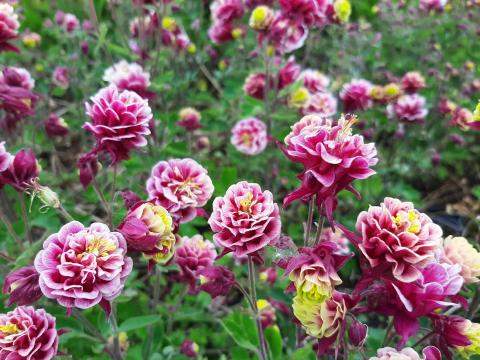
point(389, 353)
point(28, 334)
point(436, 5)
point(412, 82)
point(457, 250)
point(408, 108)
point(245, 219)
point(61, 77)
point(314, 80)
point(255, 85)
point(181, 186)
point(225, 11)
point(83, 266)
point(398, 238)
point(128, 76)
point(119, 121)
point(5, 157)
point(320, 103)
point(17, 77)
point(249, 136)
point(285, 35)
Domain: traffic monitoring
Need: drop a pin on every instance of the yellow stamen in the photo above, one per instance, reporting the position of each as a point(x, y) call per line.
point(9, 329)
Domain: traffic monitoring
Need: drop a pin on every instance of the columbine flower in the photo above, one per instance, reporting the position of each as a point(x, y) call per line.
point(216, 280)
point(255, 85)
point(320, 320)
point(15, 76)
point(460, 118)
point(343, 10)
point(83, 266)
point(355, 95)
point(289, 73)
point(308, 12)
point(192, 255)
point(249, 136)
point(332, 158)
point(261, 18)
point(225, 11)
point(408, 108)
point(148, 228)
point(475, 123)
point(68, 22)
point(22, 286)
point(8, 27)
point(314, 81)
point(472, 332)
point(26, 333)
point(5, 157)
point(412, 82)
point(298, 98)
point(88, 167)
point(321, 104)
point(266, 312)
point(55, 126)
point(61, 77)
point(457, 250)
point(435, 5)
point(398, 238)
point(220, 33)
point(313, 271)
point(268, 275)
point(357, 333)
point(189, 119)
point(129, 76)
point(22, 168)
point(285, 35)
point(388, 353)
point(181, 186)
point(119, 121)
point(245, 220)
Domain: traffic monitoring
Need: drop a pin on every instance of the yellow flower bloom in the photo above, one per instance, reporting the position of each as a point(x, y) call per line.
point(261, 18)
point(457, 250)
point(169, 23)
point(298, 97)
point(476, 113)
point(473, 334)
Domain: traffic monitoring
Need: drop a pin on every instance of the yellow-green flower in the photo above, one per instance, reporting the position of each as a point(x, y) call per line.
point(298, 97)
point(472, 332)
point(261, 18)
point(343, 10)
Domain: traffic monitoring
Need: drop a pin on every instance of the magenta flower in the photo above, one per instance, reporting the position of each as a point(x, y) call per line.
point(255, 85)
point(412, 82)
point(181, 186)
point(249, 136)
point(88, 167)
point(285, 34)
point(189, 119)
point(397, 238)
point(225, 11)
point(357, 333)
point(5, 157)
point(55, 126)
point(192, 255)
point(331, 156)
point(61, 77)
point(83, 266)
point(23, 167)
point(435, 5)
point(189, 348)
point(355, 95)
point(22, 286)
point(19, 77)
point(129, 76)
point(216, 280)
point(28, 334)
point(450, 332)
point(245, 220)
point(321, 104)
point(8, 27)
point(308, 12)
point(119, 121)
point(408, 108)
point(289, 73)
point(220, 33)
point(314, 81)
point(461, 117)
point(68, 22)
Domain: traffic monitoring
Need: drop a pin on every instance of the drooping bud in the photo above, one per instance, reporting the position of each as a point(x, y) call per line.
point(189, 349)
point(216, 280)
point(357, 333)
point(23, 286)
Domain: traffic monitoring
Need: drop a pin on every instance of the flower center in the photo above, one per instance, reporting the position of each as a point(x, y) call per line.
point(99, 246)
point(188, 187)
point(247, 138)
point(246, 204)
point(9, 329)
point(410, 219)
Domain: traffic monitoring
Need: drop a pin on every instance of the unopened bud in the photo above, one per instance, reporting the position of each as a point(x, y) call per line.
point(357, 333)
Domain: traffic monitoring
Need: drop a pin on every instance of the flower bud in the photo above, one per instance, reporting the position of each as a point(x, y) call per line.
point(169, 24)
point(189, 119)
point(22, 286)
point(357, 333)
point(261, 18)
point(55, 126)
point(266, 312)
point(237, 33)
point(189, 349)
point(216, 280)
point(191, 48)
point(31, 40)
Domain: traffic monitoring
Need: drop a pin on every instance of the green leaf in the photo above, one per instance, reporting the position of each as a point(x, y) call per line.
point(242, 329)
point(476, 191)
point(305, 353)
point(139, 322)
point(26, 257)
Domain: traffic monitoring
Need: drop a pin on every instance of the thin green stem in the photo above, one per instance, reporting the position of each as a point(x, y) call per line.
point(88, 325)
point(116, 352)
point(28, 231)
point(321, 221)
point(10, 230)
point(387, 333)
point(65, 213)
point(7, 257)
point(156, 294)
point(474, 305)
point(424, 338)
point(311, 210)
point(253, 304)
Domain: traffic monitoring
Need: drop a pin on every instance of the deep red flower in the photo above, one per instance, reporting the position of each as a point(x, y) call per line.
point(22, 169)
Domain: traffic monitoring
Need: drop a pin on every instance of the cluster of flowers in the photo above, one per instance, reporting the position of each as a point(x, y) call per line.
point(150, 25)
